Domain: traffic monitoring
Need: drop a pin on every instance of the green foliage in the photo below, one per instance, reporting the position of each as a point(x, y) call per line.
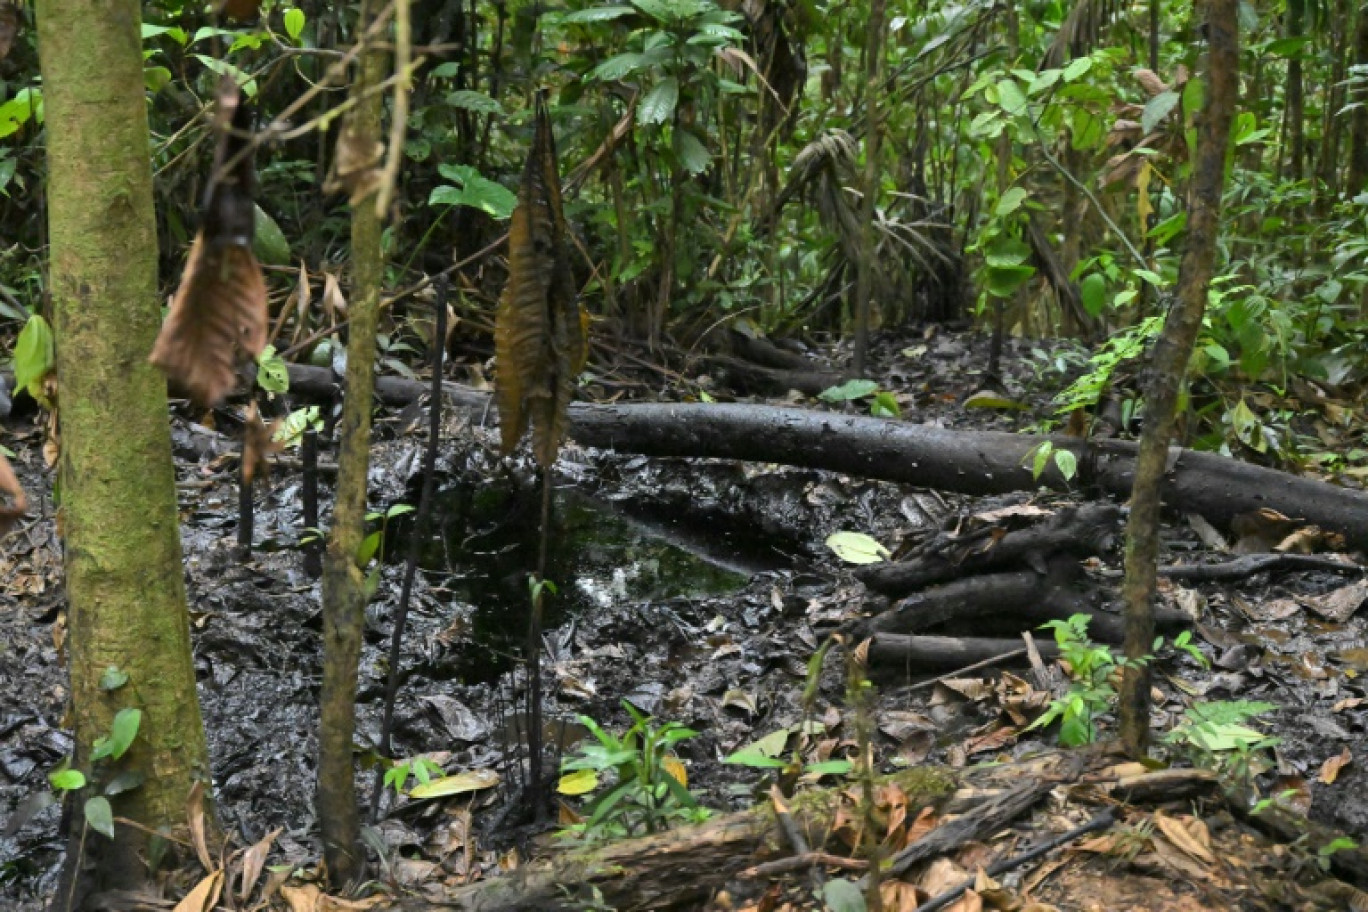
point(1217, 736)
point(473, 190)
point(273, 374)
point(641, 786)
point(1091, 690)
point(35, 357)
point(882, 404)
point(1042, 454)
point(120, 738)
point(421, 769)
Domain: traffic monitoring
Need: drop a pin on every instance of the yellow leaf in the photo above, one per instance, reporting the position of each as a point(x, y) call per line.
point(204, 896)
point(469, 781)
point(580, 782)
point(675, 767)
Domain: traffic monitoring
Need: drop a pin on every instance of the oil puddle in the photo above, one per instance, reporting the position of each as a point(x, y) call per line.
point(484, 544)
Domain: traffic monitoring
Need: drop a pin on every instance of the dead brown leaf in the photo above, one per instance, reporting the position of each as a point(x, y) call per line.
point(1340, 604)
point(900, 896)
point(1258, 531)
point(1330, 769)
point(355, 166)
point(1188, 834)
point(253, 862)
point(334, 303)
point(194, 812)
point(205, 895)
point(1150, 82)
point(258, 444)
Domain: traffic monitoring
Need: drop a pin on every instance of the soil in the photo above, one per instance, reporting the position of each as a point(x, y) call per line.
point(696, 591)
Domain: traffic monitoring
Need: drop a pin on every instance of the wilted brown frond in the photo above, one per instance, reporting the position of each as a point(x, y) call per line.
point(540, 337)
point(12, 500)
point(258, 443)
point(220, 307)
point(355, 166)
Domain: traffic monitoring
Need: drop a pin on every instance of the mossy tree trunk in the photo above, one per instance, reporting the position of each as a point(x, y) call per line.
point(869, 237)
point(344, 597)
point(125, 589)
point(1172, 352)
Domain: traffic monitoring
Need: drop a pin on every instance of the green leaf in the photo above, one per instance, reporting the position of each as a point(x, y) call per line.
point(986, 399)
point(67, 780)
point(841, 895)
point(1010, 201)
point(1067, 463)
point(113, 678)
point(34, 356)
point(269, 244)
point(294, 22)
point(597, 14)
point(617, 67)
point(273, 374)
point(26, 105)
point(469, 781)
point(851, 389)
point(1010, 97)
point(126, 781)
point(1087, 129)
point(885, 406)
point(122, 731)
point(100, 815)
point(369, 545)
point(1003, 281)
point(475, 191)
point(857, 548)
point(829, 768)
point(224, 68)
point(692, 154)
point(1076, 68)
point(445, 70)
point(291, 430)
point(659, 104)
point(479, 102)
point(767, 748)
point(1158, 108)
point(1093, 292)
point(1007, 251)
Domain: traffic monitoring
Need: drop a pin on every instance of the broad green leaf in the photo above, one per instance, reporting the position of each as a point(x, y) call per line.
point(857, 548)
point(34, 356)
point(985, 399)
point(842, 895)
point(447, 70)
point(1076, 68)
point(26, 105)
point(770, 746)
point(122, 731)
point(67, 780)
point(1007, 251)
point(597, 14)
point(479, 102)
point(579, 782)
point(100, 815)
point(1093, 292)
point(1067, 463)
point(659, 104)
point(469, 781)
point(268, 241)
point(1043, 81)
point(294, 22)
point(851, 389)
point(475, 191)
point(113, 678)
point(1158, 108)
point(1087, 129)
point(617, 67)
point(692, 154)
point(1010, 97)
point(1003, 281)
point(273, 374)
point(224, 68)
point(829, 768)
point(126, 781)
point(885, 406)
point(1010, 201)
point(291, 430)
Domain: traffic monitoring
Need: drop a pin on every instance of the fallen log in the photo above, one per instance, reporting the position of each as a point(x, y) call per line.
point(1019, 600)
point(969, 462)
point(1083, 532)
point(916, 655)
point(678, 869)
point(1244, 567)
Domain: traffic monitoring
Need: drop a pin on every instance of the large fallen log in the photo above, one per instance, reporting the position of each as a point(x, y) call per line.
point(679, 869)
point(969, 462)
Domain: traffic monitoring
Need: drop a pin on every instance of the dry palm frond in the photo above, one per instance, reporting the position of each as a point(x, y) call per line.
point(540, 333)
point(13, 503)
point(220, 307)
point(1081, 30)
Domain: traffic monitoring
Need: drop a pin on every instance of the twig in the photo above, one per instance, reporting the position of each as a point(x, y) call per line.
point(984, 663)
point(403, 51)
point(803, 862)
point(1101, 822)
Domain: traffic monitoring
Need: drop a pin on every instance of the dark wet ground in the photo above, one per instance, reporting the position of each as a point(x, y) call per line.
point(695, 590)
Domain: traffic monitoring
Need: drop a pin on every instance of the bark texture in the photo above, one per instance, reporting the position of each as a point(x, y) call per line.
point(125, 589)
point(1172, 351)
point(344, 598)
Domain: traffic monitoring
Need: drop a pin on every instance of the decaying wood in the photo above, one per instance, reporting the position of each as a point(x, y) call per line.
point(1166, 785)
point(969, 462)
point(1082, 531)
point(679, 869)
point(1018, 599)
point(1250, 564)
point(925, 654)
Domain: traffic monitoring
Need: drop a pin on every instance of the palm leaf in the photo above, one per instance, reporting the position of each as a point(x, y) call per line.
point(539, 331)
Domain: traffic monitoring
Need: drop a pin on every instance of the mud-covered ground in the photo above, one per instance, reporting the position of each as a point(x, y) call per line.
point(695, 590)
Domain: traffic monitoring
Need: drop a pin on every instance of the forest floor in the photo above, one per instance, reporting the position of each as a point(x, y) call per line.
point(697, 591)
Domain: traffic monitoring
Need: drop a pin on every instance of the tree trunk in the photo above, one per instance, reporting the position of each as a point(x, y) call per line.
point(1358, 155)
point(864, 282)
point(1172, 352)
point(125, 588)
point(344, 598)
point(1296, 118)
